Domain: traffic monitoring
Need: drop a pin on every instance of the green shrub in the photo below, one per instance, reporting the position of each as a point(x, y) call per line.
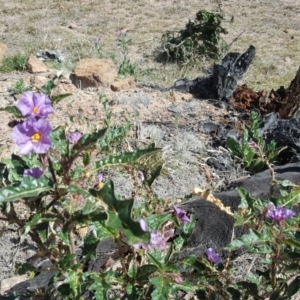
point(20, 87)
point(200, 37)
point(13, 63)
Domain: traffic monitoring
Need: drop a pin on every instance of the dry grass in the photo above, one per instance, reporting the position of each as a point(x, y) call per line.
point(271, 26)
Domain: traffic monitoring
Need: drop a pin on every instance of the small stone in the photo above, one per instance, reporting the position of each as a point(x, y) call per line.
point(72, 26)
point(9, 283)
point(34, 65)
point(123, 84)
point(38, 81)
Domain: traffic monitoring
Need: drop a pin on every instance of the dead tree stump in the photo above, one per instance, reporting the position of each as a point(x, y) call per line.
point(291, 100)
point(223, 81)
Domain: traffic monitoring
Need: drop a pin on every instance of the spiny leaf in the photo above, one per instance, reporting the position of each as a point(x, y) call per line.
point(162, 288)
point(124, 158)
point(29, 187)
point(145, 271)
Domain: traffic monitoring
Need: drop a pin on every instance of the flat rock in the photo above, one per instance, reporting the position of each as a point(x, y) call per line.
point(214, 228)
point(94, 72)
point(123, 84)
point(34, 65)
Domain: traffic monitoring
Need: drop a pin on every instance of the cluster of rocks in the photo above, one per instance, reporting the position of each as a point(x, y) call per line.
point(89, 72)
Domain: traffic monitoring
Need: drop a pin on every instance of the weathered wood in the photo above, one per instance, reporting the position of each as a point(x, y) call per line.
point(223, 81)
point(226, 75)
point(291, 101)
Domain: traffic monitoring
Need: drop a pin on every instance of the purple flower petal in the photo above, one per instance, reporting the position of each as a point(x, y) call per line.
point(177, 278)
point(141, 176)
point(181, 215)
point(143, 225)
point(213, 256)
point(74, 137)
point(32, 135)
point(157, 240)
point(34, 172)
point(35, 104)
point(280, 213)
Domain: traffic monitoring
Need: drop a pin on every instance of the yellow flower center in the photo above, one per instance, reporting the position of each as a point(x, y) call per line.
point(36, 137)
point(36, 110)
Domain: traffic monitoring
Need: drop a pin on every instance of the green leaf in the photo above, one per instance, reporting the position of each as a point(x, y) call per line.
point(294, 287)
point(125, 158)
point(87, 141)
point(39, 219)
point(162, 288)
point(66, 261)
point(59, 142)
point(74, 189)
point(154, 175)
point(250, 287)
point(13, 110)
point(86, 159)
point(156, 258)
point(233, 146)
point(144, 272)
point(58, 98)
point(114, 135)
point(235, 293)
point(155, 221)
point(253, 239)
point(100, 287)
point(275, 295)
point(291, 242)
point(89, 246)
point(29, 187)
point(16, 166)
point(48, 86)
point(119, 214)
point(24, 268)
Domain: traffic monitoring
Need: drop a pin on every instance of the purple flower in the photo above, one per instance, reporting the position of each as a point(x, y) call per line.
point(213, 256)
point(97, 40)
point(253, 145)
point(74, 137)
point(141, 176)
point(32, 135)
point(34, 172)
point(177, 278)
point(157, 240)
point(280, 213)
point(181, 215)
point(100, 179)
point(35, 104)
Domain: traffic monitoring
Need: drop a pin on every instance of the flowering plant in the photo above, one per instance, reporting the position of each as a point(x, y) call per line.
point(65, 192)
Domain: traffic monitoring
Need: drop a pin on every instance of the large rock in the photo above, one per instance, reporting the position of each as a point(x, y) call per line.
point(214, 227)
point(34, 65)
point(94, 72)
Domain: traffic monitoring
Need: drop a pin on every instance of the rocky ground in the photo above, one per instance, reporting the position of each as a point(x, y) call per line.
point(176, 122)
point(190, 131)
